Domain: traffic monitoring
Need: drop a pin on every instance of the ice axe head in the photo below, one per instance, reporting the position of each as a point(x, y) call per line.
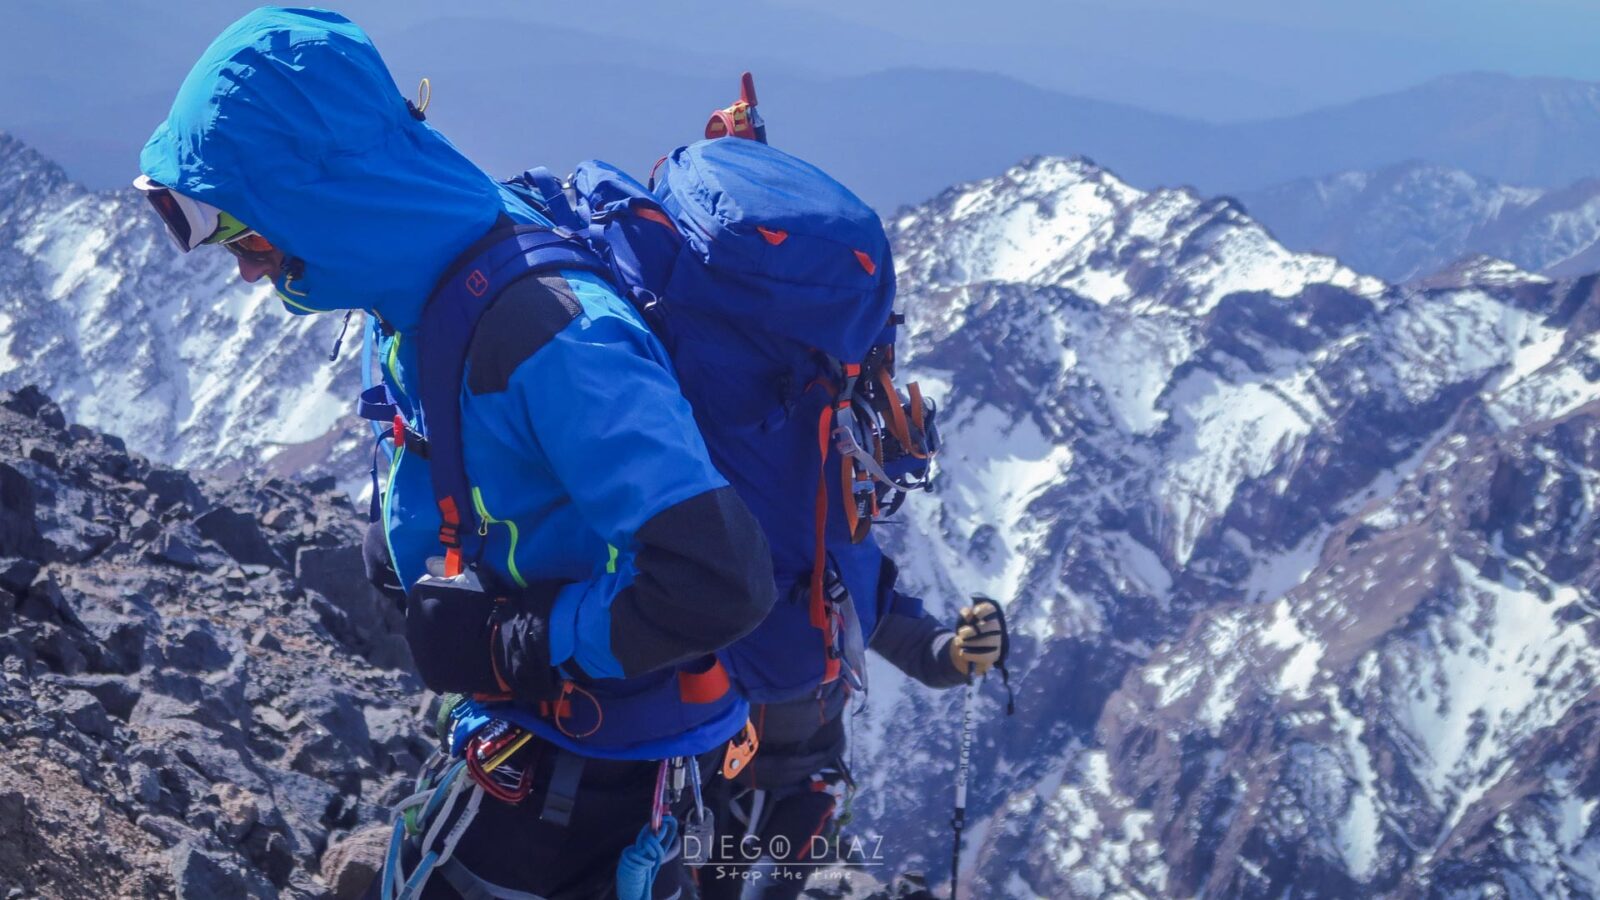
point(741, 119)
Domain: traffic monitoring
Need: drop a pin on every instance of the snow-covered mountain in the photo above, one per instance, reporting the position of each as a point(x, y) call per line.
point(170, 351)
point(1412, 219)
point(1300, 563)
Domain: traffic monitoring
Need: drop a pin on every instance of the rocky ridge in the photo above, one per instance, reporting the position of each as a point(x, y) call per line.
point(159, 736)
point(169, 350)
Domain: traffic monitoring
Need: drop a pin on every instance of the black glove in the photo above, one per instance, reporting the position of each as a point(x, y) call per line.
point(522, 643)
point(467, 640)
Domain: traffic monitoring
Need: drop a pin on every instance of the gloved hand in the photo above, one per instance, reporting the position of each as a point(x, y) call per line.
point(467, 640)
point(979, 638)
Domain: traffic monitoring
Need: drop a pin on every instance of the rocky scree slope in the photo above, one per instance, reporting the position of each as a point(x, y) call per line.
point(1162, 429)
point(198, 689)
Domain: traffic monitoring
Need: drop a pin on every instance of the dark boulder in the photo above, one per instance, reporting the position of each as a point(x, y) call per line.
point(208, 876)
point(239, 535)
point(19, 525)
point(170, 487)
point(181, 545)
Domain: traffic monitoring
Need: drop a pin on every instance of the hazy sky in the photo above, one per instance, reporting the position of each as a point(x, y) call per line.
point(1216, 59)
point(1229, 59)
point(89, 78)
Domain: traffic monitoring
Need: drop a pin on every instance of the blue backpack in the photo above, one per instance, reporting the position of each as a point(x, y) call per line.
point(771, 286)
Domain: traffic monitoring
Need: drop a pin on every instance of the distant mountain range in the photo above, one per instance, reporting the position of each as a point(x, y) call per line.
point(1409, 220)
point(515, 93)
point(1300, 563)
point(916, 130)
point(174, 352)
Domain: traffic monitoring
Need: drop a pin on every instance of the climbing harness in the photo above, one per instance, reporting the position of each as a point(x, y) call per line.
point(483, 755)
point(475, 761)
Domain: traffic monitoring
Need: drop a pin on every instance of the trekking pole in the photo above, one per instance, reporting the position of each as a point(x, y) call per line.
point(958, 818)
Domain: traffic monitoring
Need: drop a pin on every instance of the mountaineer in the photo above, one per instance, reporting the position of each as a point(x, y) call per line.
point(570, 555)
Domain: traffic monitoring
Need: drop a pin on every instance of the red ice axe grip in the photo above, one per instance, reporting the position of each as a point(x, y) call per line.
point(741, 119)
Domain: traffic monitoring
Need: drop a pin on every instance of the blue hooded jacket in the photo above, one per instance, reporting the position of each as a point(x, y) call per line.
point(576, 438)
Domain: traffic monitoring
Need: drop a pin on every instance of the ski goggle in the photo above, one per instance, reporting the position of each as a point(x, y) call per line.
point(189, 221)
point(193, 223)
point(250, 246)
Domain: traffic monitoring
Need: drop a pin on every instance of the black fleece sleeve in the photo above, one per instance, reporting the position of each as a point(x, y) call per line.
point(917, 646)
point(703, 580)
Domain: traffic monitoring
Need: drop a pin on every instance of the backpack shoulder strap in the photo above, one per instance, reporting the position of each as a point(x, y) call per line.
point(546, 192)
point(450, 317)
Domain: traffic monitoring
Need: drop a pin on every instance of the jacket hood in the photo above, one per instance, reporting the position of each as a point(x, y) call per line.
point(291, 122)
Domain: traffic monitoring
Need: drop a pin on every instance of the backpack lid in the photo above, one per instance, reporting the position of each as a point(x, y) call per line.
point(799, 254)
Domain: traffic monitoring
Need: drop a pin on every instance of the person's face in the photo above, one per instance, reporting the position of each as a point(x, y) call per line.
point(254, 267)
point(255, 256)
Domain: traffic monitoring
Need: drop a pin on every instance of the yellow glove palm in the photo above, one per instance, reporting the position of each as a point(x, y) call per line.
point(976, 646)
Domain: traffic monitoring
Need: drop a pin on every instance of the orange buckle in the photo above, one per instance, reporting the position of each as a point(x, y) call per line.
point(558, 709)
point(742, 748)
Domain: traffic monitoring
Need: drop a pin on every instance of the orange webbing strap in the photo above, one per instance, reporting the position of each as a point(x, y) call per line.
point(450, 537)
point(897, 415)
point(915, 390)
point(848, 475)
point(859, 524)
point(494, 664)
point(656, 216)
point(847, 487)
point(556, 709)
point(819, 613)
point(819, 602)
point(703, 687)
point(561, 708)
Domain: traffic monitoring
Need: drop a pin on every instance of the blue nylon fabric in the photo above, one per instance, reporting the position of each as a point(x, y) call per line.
point(810, 286)
point(450, 321)
point(291, 122)
point(742, 316)
point(605, 378)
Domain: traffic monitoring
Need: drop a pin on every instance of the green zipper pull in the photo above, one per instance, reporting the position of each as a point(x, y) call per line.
point(483, 527)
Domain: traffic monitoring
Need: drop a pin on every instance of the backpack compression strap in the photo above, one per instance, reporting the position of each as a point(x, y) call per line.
point(506, 254)
point(826, 615)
